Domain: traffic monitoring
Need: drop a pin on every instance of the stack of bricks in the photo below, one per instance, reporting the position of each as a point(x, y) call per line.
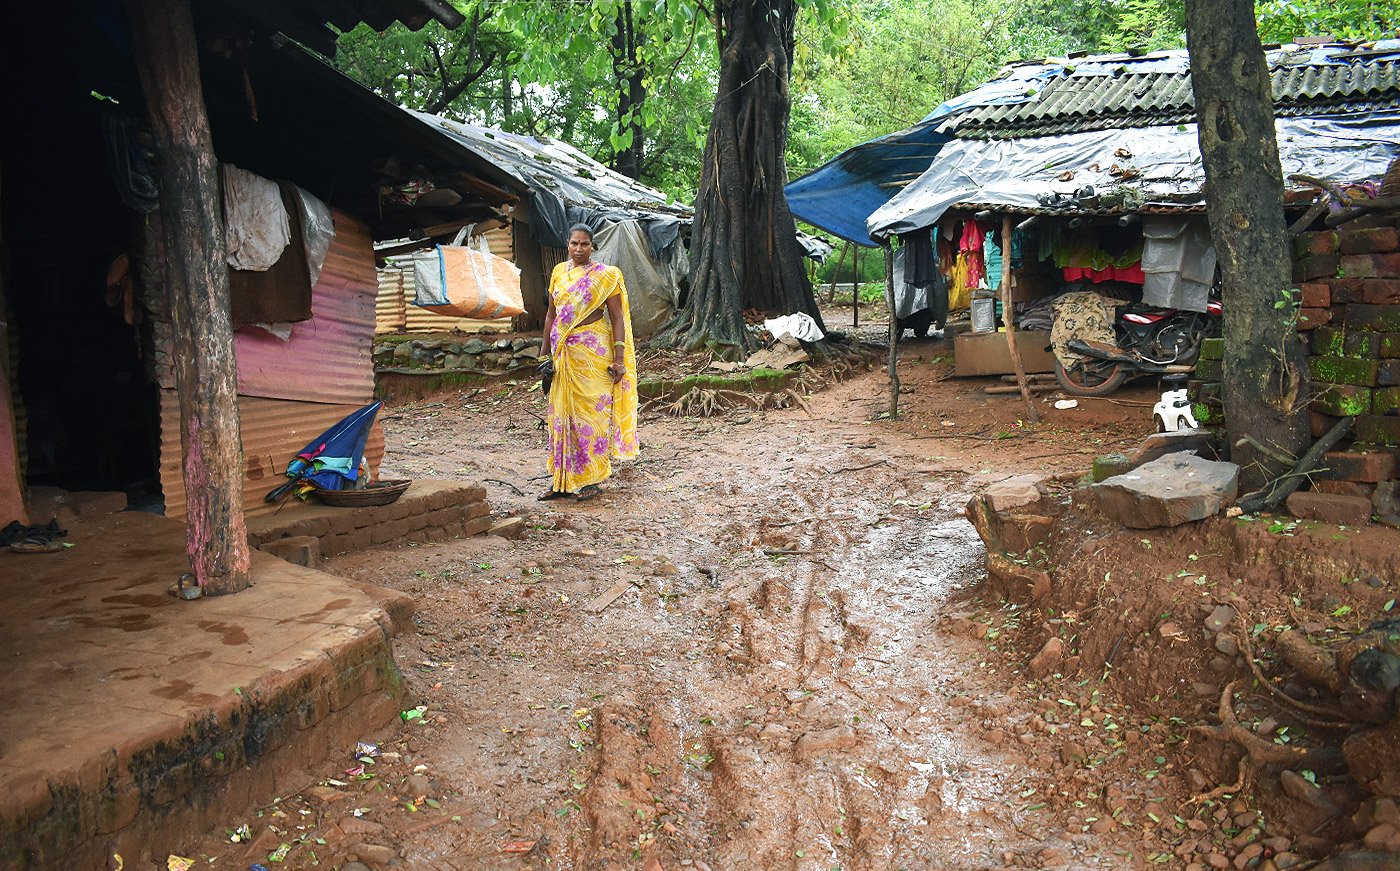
point(1349, 281)
point(1204, 390)
point(428, 511)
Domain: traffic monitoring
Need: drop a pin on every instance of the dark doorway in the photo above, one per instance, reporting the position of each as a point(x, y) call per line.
point(90, 412)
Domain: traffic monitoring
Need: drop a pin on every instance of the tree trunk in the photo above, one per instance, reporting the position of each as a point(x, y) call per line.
point(743, 244)
point(1264, 382)
point(196, 281)
point(631, 92)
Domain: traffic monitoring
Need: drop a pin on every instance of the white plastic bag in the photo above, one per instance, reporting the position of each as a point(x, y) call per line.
point(799, 325)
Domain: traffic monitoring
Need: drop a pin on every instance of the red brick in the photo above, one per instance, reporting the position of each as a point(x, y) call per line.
point(1345, 488)
point(1372, 429)
point(1369, 265)
point(476, 526)
point(1345, 290)
point(1358, 266)
point(1320, 423)
point(1319, 266)
point(1321, 242)
point(1316, 295)
point(1372, 240)
point(1388, 374)
point(1330, 508)
point(1364, 466)
point(1381, 291)
point(1310, 318)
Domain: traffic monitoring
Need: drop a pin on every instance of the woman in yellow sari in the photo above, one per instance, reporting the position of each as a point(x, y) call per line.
point(593, 398)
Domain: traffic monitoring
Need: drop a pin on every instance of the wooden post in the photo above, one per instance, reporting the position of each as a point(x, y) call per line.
point(197, 290)
point(894, 330)
point(855, 290)
point(835, 273)
point(11, 477)
point(1010, 320)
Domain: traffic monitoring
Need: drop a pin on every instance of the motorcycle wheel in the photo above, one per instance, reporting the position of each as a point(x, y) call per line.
point(1099, 378)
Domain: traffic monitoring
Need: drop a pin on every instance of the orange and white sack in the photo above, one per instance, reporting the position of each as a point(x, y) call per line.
point(467, 282)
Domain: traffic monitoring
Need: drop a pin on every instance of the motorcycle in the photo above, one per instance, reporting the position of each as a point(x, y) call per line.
point(1148, 341)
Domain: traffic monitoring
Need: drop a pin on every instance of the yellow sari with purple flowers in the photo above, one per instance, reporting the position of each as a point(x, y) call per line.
point(592, 421)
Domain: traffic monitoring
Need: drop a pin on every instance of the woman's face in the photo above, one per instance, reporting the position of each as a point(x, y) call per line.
point(580, 247)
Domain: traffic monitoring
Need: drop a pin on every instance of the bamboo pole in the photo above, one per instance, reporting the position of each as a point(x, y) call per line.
point(1010, 320)
point(894, 331)
point(855, 290)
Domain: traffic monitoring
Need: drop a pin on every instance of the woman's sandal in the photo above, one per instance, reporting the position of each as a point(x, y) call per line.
point(589, 492)
point(551, 494)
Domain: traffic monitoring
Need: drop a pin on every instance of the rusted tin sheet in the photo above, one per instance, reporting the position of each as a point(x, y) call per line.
point(273, 430)
point(326, 359)
point(390, 315)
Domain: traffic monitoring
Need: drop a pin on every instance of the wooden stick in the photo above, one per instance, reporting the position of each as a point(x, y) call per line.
point(1013, 389)
point(894, 330)
point(835, 273)
point(1278, 490)
point(855, 290)
point(1010, 320)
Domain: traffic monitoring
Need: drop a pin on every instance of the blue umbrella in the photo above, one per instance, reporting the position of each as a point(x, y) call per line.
point(331, 461)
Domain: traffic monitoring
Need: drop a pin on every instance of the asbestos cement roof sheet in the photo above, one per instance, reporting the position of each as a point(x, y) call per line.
point(1117, 91)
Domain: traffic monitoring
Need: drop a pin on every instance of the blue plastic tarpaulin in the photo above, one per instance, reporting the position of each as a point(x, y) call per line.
point(841, 194)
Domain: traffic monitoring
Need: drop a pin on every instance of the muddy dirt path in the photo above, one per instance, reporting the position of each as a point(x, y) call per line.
point(733, 659)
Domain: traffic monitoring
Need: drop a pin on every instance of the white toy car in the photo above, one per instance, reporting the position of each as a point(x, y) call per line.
point(1173, 412)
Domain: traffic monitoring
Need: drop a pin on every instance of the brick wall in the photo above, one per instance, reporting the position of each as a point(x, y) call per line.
point(1349, 279)
point(1349, 286)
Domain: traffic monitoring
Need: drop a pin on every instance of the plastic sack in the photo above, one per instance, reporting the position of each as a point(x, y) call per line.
point(464, 282)
point(799, 325)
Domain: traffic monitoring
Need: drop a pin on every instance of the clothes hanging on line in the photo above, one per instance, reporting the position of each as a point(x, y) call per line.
point(1132, 274)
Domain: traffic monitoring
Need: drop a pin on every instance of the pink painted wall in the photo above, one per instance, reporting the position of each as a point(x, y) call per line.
point(328, 358)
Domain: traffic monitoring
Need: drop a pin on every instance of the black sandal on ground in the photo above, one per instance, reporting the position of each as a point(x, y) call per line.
point(589, 492)
point(551, 494)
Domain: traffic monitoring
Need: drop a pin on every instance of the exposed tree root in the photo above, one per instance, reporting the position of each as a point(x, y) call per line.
point(1258, 750)
point(1314, 664)
point(1241, 782)
point(1242, 637)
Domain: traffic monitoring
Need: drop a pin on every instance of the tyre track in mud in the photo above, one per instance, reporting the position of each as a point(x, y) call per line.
point(773, 692)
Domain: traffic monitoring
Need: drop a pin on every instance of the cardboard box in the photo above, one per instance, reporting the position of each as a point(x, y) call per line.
point(988, 353)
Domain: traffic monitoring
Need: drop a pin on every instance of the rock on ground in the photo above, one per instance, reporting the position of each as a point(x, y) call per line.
point(1169, 491)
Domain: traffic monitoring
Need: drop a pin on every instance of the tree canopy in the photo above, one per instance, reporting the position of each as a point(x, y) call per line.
point(632, 82)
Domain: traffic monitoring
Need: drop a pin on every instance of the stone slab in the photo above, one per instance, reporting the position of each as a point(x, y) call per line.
point(1169, 491)
point(1016, 492)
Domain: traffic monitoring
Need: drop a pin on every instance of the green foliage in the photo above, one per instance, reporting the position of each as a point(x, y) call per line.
point(1286, 20)
point(1053, 27)
point(862, 68)
point(901, 59)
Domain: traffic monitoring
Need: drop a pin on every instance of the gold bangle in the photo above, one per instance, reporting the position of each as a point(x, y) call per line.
point(623, 344)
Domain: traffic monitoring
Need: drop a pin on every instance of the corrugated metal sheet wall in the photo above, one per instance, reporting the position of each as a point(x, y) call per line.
point(390, 307)
point(290, 392)
point(273, 430)
point(394, 309)
point(328, 358)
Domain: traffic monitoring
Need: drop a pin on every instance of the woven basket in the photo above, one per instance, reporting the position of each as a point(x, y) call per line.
point(378, 493)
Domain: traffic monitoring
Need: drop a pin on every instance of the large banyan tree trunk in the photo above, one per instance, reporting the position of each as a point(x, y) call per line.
point(1264, 384)
point(744, 251)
